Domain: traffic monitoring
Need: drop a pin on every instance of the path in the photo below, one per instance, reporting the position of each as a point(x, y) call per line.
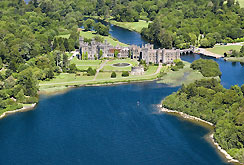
point(158, 70)
point(101, 66)
point(101, 80)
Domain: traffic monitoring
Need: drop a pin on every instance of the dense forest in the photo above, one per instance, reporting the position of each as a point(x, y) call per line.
point(209, 100)
point(31, 49)
point(180, 23)
point(208, 68)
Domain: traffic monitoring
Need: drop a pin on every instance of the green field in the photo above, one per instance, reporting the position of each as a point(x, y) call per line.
point(64, 36)
point(235, 59)
point(134, 26)
point(85, 64)
point(90, 35)
point(221, 49)
point(183, 76)
point(63, 80)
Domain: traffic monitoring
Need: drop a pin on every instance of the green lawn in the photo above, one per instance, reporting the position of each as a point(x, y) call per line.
point(235, 59)
point(90, 35)
point(134, 26)
point(221, 49)
point(64, 80)
point(67, 77)
point(64, 36)
point(85, 64)
point(183, 76)
point(152, 69)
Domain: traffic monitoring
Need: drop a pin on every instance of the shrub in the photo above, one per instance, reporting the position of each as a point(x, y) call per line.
point(91, 72)
point(125, 74)
point(113, 75)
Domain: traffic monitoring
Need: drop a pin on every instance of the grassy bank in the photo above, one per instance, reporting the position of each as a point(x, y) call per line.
point(92, 34)
point(133, 26)
point(234, 59)
point(184, 76)
point(221, 49)
point(65, 80)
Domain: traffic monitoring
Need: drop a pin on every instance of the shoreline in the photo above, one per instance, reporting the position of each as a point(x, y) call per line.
point(25, 108)
point(205, 52)
point(229, 158)
point(63, 90)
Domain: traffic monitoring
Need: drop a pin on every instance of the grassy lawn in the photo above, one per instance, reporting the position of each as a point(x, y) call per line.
point(235, 59)
point(64, 36)
point(135, 26)
point(183, 76)
point(64, 79)
point(85, 64)
point(90, 35)
point(152, 69)
point(221, 49)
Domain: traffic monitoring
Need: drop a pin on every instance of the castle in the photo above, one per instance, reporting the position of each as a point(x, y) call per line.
point(96, 50)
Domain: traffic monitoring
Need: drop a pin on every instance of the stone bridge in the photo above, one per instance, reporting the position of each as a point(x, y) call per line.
point(187, 51)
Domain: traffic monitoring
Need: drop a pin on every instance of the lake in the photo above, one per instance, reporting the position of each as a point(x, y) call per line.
point(110, 125)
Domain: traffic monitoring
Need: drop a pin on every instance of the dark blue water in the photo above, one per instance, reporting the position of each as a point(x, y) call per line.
point(232, 72)
point(104, 125)
point(123, 35)
point(110, 125)
point(126, 36)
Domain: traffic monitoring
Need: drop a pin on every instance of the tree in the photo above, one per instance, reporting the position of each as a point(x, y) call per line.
point(113, 75)
point(86, 56)
point(204, 43)
point(116, 52)
point(65, 60)
point(91, 72)
point(100, 54)
point(20, 96)
point(101, 29)
point(125, 74)
point(71, 45)
point(1, 63)
point(66, 44)
point(72, 68)
point(28, 81)
point(88, 24)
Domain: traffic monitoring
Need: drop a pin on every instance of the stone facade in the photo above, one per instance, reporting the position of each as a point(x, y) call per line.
point(146, 52)
point(94, 48)
point(156, 56)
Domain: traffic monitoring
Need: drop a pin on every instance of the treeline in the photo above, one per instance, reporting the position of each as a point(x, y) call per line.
point(235, 53)
point(208, 68)
point(32, 47)
point(90, 24)
point(209, 100)
point(200, 23)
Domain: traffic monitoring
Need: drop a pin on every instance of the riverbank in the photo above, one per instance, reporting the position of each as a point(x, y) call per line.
point(25, 108)
point(63, 89)
point(234, 59)
point(132, 26)
point(208, 53)
point(193, 118)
